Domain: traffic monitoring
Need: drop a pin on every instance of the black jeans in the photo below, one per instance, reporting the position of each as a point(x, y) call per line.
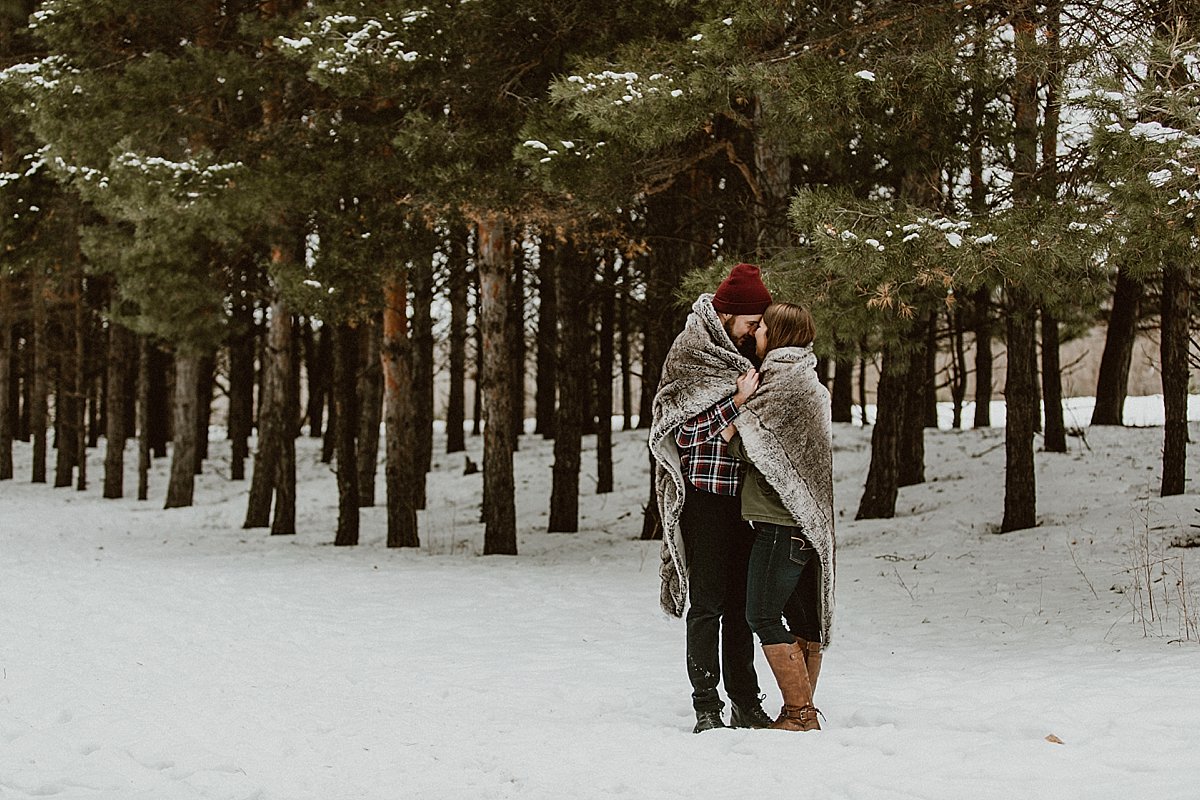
point(717, 544)
point(783, 582)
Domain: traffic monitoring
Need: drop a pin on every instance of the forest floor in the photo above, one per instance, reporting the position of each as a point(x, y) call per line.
point(168, 655)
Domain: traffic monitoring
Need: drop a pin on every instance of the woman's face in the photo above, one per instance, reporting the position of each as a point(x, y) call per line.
point(760, 339)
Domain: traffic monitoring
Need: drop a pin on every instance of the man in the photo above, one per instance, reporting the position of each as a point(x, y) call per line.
point(707, 376)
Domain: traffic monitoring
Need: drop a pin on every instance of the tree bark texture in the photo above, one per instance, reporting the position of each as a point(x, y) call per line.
point(1176, 307)
point(345, 398)
point(270, 469)
point(1055, 435)
point(982, 301)
point(459, 283)
point(40, 391)
point(842, 396)
point(604, 385)
point(912, 420)
point(120, 349)
point(516, 343)
point(1020, 488)
point(574, 346)
point(143, 417)
point(402, 471)
point(7, 377)
point(495, 268)
point(422, 369)
point(181, 483)
point(883, 477)
point(243, 333)
point(1112, 384)
point(547, 337)
point(370, 404)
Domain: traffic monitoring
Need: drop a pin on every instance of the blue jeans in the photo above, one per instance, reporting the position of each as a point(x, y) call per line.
point(783, 582)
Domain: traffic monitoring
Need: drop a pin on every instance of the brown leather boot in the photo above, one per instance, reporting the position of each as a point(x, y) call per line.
point(812, 660)
point(787, 662)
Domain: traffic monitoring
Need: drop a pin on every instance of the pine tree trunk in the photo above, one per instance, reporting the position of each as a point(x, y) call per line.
point(69, 396)
point(623, 348)
point(38, 395)
point(115, 433)
point(1174, 344)
point(883, 477)
point(399, 413)
point(862, 382)
point(842, 396)
point(345, 398)
point(7, 378)
point(318, 361)
point(574, 346)
point(183, 452)
point(205, 377)
point(1113, 381)
point(1020, 489)
point(495, 267)
point(913, 421)
point(143, 417)
point(421, 359)
point(982, 301)
point(547, 337)
point(929, 414)
point(459, 282)
point(958, 366)
point(1020, 391)
point(477, 399)
point(241, 385)
point(272, 425)
point(160, 407)
point(1055, 437)
point(516, 344)
point(283, 522)
point(370, 404)
point(604, 388)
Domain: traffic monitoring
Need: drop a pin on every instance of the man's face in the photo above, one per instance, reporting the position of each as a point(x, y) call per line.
point(741, 329)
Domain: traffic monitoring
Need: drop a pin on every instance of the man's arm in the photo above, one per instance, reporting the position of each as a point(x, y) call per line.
point(710, 423)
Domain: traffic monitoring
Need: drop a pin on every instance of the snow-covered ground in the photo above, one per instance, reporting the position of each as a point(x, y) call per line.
point(158, 655)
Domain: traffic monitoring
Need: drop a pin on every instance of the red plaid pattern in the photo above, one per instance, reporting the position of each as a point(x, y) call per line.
point(704, 455)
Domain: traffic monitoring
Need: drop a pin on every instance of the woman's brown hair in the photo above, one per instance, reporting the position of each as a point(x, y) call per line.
point(788, 325)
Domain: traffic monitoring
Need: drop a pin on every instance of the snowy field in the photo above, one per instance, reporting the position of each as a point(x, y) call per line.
point(167, 655)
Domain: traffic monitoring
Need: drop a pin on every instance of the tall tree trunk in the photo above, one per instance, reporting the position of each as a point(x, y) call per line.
point(205, 379)
point(402, 471)
point(183, 452)
point(1055, 436)
point(958, 367)
point(160, 406)
point(1113, 381)
point(1020, 488)
point(477, 399)
point(273, 428)
point(41, 348)
point(495, 267)
point(115, 433)
point(604, 385)
point(421, 360)
point(842, 396)
point(1174, 343)
point(241, 384)
point(574, 346)
point(623, 347)
point(516, 343)
point(862, 382)
point(318, 348)
point(68, 415)
point(370, 399)
point(459, 282)
point(345, 398)
point(982, 303)
point(143, 417)
point(1020, 391)
point(883, 477)
point(7, 377)
point(913, 420)
point(547, 335)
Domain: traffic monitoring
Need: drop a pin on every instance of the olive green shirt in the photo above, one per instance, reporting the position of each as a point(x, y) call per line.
point(760, 501)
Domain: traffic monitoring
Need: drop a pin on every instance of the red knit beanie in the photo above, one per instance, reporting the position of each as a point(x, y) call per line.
point(742, 292)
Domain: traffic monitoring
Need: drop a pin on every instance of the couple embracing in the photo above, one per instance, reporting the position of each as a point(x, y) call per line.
point(742, 444)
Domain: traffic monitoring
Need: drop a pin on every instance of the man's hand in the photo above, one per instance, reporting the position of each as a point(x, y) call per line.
point(747, 385)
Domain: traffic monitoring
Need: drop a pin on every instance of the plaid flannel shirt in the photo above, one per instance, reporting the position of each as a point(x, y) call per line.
point(704, 455)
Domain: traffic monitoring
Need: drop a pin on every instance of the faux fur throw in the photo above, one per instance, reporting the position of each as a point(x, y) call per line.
point(700, 370)
point(787, 435)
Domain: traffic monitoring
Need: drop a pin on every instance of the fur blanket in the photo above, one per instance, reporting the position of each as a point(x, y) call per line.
point(700, 370)
point(787, 434)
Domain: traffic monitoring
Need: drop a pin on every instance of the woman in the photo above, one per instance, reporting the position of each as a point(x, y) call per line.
point(784, 435)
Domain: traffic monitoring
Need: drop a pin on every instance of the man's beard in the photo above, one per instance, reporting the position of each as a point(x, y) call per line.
point(747, 347)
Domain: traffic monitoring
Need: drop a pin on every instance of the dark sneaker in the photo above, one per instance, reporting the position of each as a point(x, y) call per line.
point(707, 720)
point(750, 716)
